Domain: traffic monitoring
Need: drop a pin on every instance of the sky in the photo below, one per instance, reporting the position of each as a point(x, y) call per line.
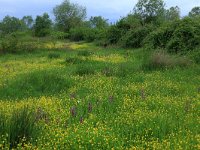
point(109, 9)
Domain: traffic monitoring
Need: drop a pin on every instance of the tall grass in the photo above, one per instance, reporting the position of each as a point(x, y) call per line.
point(19, 128)
point(162, 60)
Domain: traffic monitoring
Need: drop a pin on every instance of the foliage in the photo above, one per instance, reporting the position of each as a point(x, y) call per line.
point(83, 33)
point(179, 36)
point(195, 12)
point(9, 43)
point(172, 14)
point(77, 34)
point(10, 25)
point(42, 25)
point(150, 10)
point(98, 22)
point(28, 21)
point(134, 38)
point(69, 15)
point(195, 55)
point(59, 35)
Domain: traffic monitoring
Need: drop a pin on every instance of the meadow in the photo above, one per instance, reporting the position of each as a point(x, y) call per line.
point(75, 95)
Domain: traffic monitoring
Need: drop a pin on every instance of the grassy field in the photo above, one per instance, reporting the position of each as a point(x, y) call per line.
point(87, 97)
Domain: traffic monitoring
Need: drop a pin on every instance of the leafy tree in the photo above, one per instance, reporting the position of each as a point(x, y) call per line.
point(69, 15)
point(150, 10)
point(194, 12)
point(10, 25)
point(42, 25)
point(173, 13)
point(98, 22)
point(28, 21)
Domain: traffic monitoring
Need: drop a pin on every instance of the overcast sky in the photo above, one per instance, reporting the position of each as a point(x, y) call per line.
point(109, 9)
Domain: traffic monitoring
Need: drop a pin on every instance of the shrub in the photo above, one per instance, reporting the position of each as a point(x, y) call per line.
point(114, 34)
point(9, 43)
point(134, 38)
point(90, 34)
point(179, 36)
point(77, 34)
point(195, 56)
point(27, 46)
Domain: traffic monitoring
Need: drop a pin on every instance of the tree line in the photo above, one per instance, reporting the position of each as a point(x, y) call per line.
point(149, 24)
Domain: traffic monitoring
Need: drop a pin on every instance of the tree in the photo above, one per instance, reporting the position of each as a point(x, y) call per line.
point(98, 22)
point(150, 10)
point(69, 15)
point(173, 13)
point(194, 12)
point(42, 25)
point(28, 21)
point(10, 25)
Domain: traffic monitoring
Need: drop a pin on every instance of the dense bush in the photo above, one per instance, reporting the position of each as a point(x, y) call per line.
point(9, 43)
point(13, 43)
point(134, 38)
point(83, 33)
point(77, 34)
point(195, 56)
point(179, 36)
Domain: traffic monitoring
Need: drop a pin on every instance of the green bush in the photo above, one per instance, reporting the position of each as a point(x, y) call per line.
point(114, 34)
point(179, 36)
point(77, 34)
point(9, 43)
point(134, 38)
point(90, 34)
point(27, 46)
point(195, 56)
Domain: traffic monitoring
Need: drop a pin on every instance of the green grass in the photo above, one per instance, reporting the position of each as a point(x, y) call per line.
point(88, 97)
